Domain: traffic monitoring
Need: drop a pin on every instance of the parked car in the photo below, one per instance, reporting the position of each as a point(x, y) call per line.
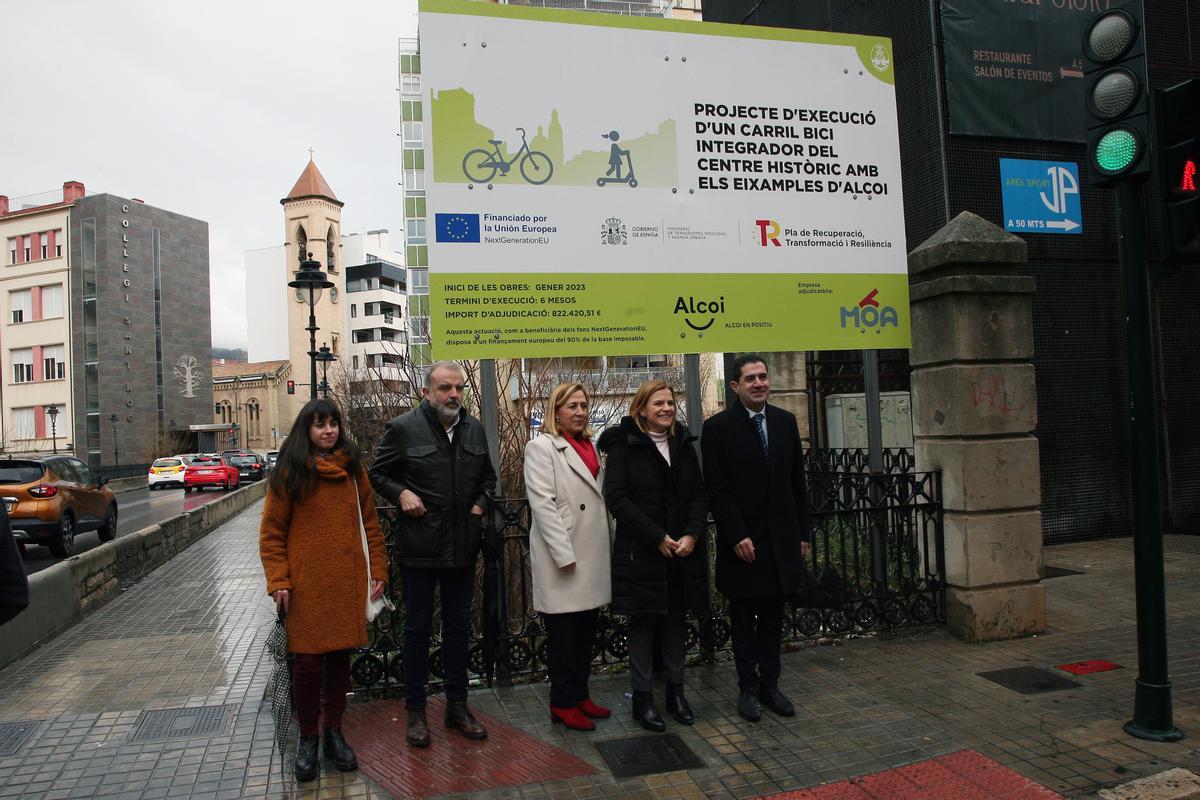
point(272, 457)
point(210, 471)
point(250, 466)
point(52, 499)
point(166, 472)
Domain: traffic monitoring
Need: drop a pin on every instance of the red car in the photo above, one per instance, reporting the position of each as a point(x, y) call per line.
point(210, 471)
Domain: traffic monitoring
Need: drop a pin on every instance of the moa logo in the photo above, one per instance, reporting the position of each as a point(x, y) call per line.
point(690, 306)
point(869, 313)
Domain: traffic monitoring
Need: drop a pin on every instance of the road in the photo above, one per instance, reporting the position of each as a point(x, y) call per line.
point(135, 510)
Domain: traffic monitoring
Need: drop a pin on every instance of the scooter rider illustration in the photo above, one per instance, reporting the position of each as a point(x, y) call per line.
point(617, 157)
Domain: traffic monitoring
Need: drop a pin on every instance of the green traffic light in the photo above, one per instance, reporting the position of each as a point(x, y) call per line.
point(1116, 150)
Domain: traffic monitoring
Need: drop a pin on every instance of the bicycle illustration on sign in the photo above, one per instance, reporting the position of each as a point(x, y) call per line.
point(481, 166)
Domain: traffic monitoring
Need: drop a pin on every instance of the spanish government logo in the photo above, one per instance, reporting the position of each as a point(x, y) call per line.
point(612, 231)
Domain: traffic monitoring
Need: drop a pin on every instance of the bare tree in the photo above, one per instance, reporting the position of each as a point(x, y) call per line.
point(187, 369)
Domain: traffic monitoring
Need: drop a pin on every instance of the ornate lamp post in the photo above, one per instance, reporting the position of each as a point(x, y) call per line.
point(326, 357)
point(116, 453)
point(52, 413)
point(310, 277)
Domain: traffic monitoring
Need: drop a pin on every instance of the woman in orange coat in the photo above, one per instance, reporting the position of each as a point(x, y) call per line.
point(316, 569)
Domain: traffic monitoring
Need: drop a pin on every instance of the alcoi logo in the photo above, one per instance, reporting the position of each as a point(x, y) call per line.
point(768, 232)
point(869, 314)
point(462, 228)
point(690, 306)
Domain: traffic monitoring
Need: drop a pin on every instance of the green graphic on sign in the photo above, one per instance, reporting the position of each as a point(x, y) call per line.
point(458, 135)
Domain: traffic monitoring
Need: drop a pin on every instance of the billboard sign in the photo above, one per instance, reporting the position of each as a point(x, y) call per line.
point(605, 185)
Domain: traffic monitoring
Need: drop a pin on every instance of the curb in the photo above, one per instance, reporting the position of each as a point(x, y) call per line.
point(63, 594)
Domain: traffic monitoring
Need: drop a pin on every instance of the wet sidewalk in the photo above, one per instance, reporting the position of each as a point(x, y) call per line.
point(160, 694)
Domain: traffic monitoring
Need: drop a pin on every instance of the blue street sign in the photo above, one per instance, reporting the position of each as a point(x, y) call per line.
point(1040, 196)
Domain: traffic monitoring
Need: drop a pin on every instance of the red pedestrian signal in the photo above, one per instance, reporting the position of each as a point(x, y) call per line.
point(291, 387)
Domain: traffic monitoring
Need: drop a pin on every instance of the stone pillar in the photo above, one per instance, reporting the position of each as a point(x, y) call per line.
point(974, 399)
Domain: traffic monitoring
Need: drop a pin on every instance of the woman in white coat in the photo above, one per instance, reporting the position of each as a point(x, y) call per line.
point(568, 550)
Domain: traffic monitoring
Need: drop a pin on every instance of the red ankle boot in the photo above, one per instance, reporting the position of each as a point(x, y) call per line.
point(592, 710)
point(572, 718)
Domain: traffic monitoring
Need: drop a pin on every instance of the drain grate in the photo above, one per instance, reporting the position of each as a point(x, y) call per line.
point(647, 755)
point(1049, 571)
point(1089, 667)
point(183, 723)
point(14, 735)
point(1029, 680)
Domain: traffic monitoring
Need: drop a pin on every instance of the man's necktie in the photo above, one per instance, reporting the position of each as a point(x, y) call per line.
point(759, 421)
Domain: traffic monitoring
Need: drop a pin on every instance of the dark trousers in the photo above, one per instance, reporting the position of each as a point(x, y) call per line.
point(672, 631)
point(457, 586)
point(756, 627)
point(310, 673)
point(569, 642)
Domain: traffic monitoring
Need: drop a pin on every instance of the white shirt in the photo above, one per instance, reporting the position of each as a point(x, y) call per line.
point(452, 428)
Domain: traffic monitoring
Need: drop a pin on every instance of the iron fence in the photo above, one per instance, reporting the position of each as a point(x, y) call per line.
point(882, 534)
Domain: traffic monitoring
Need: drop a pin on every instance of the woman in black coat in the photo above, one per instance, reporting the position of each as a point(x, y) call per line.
point(655, 492)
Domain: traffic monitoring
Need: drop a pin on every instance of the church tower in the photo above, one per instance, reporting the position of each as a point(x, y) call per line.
point(313, 225)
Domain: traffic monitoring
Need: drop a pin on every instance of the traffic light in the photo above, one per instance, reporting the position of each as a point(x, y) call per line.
point(1178, 152)
point(1118, 123)
point(291, 387)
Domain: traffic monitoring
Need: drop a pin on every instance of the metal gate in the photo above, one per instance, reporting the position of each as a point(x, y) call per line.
point(883, 535)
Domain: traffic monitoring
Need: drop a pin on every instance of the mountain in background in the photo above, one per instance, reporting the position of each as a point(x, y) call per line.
point(229, 353)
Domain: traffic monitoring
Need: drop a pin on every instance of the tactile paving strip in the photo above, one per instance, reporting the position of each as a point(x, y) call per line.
point(965, 775)
point(451, 764)
point(1089, 667)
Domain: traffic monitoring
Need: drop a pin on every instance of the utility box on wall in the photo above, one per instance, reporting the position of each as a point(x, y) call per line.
point(846, 420)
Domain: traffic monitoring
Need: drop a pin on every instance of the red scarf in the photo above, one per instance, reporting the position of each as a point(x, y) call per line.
point(587, 451)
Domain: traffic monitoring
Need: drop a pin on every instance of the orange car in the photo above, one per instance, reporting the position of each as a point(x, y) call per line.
point(51, 499)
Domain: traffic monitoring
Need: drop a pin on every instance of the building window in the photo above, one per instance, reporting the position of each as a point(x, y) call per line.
point(253, 415)
point(301, 244)
point(410, 84)
point(45, 245)
point(354, 362)
point(52, 301)
point(58, 235)
point(333, 343)
point(23, 423)
point(54, 362)
point(28, 245)
point(21, 304)
point(353, 311)
point(22, 361)
point(12, 251)
point(416, 228)
point(414, 180)
point(420, 279)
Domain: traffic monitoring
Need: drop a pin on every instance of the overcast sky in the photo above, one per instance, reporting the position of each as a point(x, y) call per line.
point(208, 109)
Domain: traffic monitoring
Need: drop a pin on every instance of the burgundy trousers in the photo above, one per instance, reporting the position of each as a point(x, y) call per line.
point(312, 672)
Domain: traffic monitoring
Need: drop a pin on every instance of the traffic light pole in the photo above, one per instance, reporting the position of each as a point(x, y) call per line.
point(1152, 715)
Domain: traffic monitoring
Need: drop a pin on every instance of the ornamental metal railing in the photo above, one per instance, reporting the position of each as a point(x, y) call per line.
point(881, 534)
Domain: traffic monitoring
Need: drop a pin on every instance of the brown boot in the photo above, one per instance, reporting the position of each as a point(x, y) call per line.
point(418, 729)
point(459, 717)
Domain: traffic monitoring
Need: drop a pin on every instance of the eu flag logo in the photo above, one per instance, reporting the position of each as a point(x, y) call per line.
point(457, 227)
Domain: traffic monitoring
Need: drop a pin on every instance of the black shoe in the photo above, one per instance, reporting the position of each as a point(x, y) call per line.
point(459, 717)
point(338, 751)
point(646, 714)
point(418, 730)
point(307, 750)
point(776, 701)
point(748, 705)
point(677, 705)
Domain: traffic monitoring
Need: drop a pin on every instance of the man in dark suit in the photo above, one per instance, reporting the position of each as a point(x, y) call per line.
point(754, 468)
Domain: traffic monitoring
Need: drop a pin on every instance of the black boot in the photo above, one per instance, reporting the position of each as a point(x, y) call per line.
point(338, 751)
point(646, 714)
point(678, 706)
point(418, 728)
point(306, 758)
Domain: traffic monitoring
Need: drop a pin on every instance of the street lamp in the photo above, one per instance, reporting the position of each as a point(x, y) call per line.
point(52, 413)
point(326, 357)
point(116, 453)
point(310, 277)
